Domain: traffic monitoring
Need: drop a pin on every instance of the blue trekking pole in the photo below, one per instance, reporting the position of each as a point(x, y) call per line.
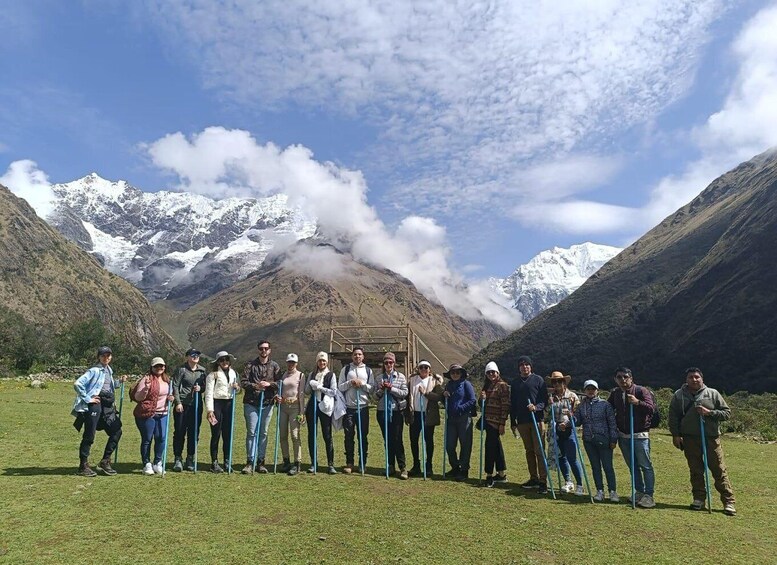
point(544, 458)
point(580, 456)
point(482, 426)
point(121, 405)
point(256, 433)
point(167, 435)
point(197, 420)
point(315, 432)
point(232, 429)
point(277, 436)
point(631, 456)
point(385, 427)
point(423, 433)
point(445, 439)
point(359, 425)
point(554, 433)
point(706, 466)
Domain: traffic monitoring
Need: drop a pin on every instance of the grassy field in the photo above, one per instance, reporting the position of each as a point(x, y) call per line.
point(49, 515)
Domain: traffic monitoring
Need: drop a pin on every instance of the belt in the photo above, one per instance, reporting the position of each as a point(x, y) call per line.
point(290, 400)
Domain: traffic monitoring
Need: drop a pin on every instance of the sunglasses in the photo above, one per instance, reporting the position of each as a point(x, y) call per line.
point(263, 348)
point(193, 355)
point(388, 362)
point(556, 381)
point(158, 366)
point(224, 359)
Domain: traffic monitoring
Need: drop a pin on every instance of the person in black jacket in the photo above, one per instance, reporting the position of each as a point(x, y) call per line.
point(188, 381)
point(528, 398)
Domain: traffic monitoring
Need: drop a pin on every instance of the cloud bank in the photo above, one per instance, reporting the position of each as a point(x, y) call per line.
point(27, 181)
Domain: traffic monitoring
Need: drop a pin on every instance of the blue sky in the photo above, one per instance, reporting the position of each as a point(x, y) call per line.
point(508, 127)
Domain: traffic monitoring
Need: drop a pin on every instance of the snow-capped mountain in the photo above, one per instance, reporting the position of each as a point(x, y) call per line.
point(551, 276)
point(174, 245)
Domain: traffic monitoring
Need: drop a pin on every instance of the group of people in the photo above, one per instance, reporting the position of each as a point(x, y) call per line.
point(341, 400)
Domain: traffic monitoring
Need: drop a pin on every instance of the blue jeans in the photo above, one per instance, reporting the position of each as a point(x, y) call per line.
point(251, 414)
point(601, 457)
point(459, 430)
point(152, 428)
point(644, 477)
point(567, 456)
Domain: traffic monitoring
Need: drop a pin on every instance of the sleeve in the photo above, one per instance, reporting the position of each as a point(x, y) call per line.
point(505, 402)
point(309, 388)
point(675, 415)
point(245, 378)
point(435, 395)
point(379, 391)
point(329, 391)
point(210, 382)
point(368, 386)
point(80, 387)
point(400, 390)
point(469, 400)
point(176, 381)
point(645, 405)
point(721, 412)
point(542, 396)
point(576, 413)
point(612, 426)
point(142, 389)
point(342, 381)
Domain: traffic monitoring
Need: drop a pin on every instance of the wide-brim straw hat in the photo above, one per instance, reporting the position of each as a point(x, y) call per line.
point(558, 375)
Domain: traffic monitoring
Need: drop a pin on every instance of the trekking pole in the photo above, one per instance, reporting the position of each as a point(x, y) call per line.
point(423, 434)
point(277, 435)
point(385, 427)
point(196, 418)
point(631, 456)
point(706, 466)
point(167, 435)
point(554, 433)
point(580, 457)
point(445, 439)
point(232, 429)
point(482, 427)
point(256, 433)
point(359, 425)
point(315, 432)
point(544, 458)
point(121, 405)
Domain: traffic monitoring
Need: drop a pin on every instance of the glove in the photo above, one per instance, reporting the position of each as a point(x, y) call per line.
point(315, 385)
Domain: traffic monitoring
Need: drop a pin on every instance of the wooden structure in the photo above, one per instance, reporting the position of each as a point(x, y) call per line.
point(376, 341)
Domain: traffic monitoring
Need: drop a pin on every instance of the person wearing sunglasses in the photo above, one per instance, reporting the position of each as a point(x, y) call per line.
point(260, 386)
point(188, 380)
point(425, 395)
point(219, 386)
point(152, 393)
point(391, 395)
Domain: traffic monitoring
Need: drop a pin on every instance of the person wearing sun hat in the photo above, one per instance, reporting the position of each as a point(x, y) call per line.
point(563, 404)
point(219, 386)
point(600, 436)
point(188, 381)
point(461, 401)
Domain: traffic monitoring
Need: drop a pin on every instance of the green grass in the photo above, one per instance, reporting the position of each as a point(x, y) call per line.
point(49, 515)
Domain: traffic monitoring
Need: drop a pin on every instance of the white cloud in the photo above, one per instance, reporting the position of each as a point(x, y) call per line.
point(219, 162)
point(27, 181)
point(466, 95)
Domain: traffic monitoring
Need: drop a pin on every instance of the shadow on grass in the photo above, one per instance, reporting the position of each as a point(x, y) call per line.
point(121, 468)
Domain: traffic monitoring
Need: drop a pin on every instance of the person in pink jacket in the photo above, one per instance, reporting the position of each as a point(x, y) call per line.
point(152, 393)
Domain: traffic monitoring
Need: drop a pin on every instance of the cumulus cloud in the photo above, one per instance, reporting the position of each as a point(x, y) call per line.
point(319, 262)
point(466, 94)
point(27, 181)
point(220, 162)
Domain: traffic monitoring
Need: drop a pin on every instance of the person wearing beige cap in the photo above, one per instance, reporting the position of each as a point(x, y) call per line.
point(391, 395)
point(425, 395)
point(292, 396)
point(221, 385)
point(322, 388)
point(152, 393)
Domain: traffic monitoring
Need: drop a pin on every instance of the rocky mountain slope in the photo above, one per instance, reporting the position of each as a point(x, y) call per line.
point(551, 276)
point(698, 289)
point(52, 283)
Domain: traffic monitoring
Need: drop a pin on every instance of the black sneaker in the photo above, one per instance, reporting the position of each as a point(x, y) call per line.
point(542, 489)
point(461, 477)
point(216, 468)
point(531, 483)
point(286, 467)
point(86, 471)
point(189, 465)
point(178, 465)
point(312, 469)
point(500, 478)
point(105, 467)
point(490, 482)
point(414, 471)
point(293, 470)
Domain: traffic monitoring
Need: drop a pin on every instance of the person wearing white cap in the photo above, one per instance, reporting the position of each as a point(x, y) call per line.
point(292, 397)
point(219, 386)
point(425, 395)
point(600, 436)
point(152, 393)
point(322, 387)
point(496, 394)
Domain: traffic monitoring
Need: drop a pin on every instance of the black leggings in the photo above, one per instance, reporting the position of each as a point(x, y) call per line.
point(495, 455)
point(187, 426)
point(396, 446)
point(415, 435)
point(326, 430)
point(222, 408)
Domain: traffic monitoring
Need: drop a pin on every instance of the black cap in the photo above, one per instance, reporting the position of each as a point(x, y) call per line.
point(104, 350)
point(192, 351)
point(524, 359)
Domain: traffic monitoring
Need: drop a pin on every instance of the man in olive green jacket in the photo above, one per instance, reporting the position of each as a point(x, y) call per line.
point(689, 404)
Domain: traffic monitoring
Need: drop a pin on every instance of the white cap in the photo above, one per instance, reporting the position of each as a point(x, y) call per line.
point(157, 361)
point(492, 367)
point(321, 355)
point(292, 357)
point(590, 382)
point(424, 364)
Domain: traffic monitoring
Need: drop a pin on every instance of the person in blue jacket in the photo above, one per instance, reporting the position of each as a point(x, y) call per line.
point(461, 401)
point(94, 409)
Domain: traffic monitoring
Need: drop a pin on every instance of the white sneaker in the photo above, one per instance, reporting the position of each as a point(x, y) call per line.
point(158, 469)
point(148, 469)
point(599, 496)
point(614, 496)
point(568, 487)
point(579, 490)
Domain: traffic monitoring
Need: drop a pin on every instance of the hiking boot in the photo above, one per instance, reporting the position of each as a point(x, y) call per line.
point(260, 468)
point(86, 471)
point(189, 465)
point(332, 470)
point(178, 465)
point(403, 475)
point(348, 469)
point(579, 491)
point(148, 469)
point(697, 504)
point(489, 481)
point(461, 476)
point(542, 489)
point(293, 469)
point(599, 496)
point(646, 501)
point(286, 467)
point(500, 478)
point(614, 496)
point(216, 468)
point(105, 467)
point(415, 470)
point(729, 509)
point(531, 483)
point(248, 469)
